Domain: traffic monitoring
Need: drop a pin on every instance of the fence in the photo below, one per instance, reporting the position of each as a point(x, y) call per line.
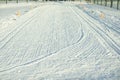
point(109, 3)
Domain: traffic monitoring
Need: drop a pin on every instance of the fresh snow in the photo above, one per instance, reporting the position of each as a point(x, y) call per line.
point(60, 41)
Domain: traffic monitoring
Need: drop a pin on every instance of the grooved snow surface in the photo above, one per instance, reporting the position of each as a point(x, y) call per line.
point(58, 41)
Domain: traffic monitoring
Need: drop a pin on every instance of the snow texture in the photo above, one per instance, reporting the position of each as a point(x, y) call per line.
point(61, 41)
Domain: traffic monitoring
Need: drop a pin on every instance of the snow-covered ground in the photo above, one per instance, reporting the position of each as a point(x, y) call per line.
point(110, 21)
point(7, 10)
point(61, 41)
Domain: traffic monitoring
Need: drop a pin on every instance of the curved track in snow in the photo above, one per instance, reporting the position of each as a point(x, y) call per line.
point(58, 41)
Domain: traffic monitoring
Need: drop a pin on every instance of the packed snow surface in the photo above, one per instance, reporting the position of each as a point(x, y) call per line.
point(60, 41)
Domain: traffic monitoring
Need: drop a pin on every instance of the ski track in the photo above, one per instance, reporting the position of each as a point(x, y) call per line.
point(101, 32)
point(59, 41)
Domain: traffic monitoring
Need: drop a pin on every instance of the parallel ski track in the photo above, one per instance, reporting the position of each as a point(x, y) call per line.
point(38, 59)
point(100, 32)
point(15, 31)
point(115, 28)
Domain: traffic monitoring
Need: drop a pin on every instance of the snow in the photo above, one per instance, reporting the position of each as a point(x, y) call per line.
point(110, 21)
point(60, 41)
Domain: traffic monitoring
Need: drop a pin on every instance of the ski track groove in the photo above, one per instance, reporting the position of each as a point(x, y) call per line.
point(84, 43)
point(36, 60)
point(17, 30)
point(115, 28)
point(49, 54)
point(109, 21)
point(107, 39)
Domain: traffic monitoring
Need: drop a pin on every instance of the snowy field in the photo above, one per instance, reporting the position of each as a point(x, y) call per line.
point(61, 41)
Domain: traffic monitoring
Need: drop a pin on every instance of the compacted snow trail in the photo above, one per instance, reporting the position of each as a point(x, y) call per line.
point(58, 41)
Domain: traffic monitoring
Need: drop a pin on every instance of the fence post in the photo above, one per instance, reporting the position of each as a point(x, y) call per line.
point(111, 3)
point(118, 4)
